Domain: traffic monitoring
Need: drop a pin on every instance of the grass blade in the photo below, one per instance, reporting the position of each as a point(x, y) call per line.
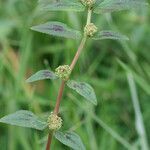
point(138, 114)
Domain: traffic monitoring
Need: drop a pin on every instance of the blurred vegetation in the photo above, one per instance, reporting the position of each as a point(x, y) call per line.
point(23, 52)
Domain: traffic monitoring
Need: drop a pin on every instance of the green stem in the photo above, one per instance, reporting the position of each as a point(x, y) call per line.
point(89, 16)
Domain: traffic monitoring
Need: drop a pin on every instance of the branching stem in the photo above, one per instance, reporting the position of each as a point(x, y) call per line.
point(62, 86)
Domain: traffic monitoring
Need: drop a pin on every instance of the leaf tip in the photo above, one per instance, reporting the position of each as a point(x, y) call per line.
point(95, 102)
point(27, 80)
point(33, 28)
point(126, 38)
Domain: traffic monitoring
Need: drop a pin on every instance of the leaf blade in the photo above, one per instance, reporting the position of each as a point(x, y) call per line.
point(63, 5)
point(107, 34)
point(24, 118)
point(108, 6)
point(57, 29)
point(70, 139)
point(84, 90)
point(41, 75)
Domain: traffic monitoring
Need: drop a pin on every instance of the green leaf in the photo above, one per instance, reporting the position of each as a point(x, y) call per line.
point(57, 29)
point(83, 89)
point(24, 118)
point(118, 5)
point(61, 5)
point(70, 139)
point(41, 75)
point(106, 34)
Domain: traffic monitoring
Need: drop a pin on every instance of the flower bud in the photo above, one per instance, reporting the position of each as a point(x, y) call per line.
point(90, 29)
point(63, 72)
point(54, 122)
point(88, 2)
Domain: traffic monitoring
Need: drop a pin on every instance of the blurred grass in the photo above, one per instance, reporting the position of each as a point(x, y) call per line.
point(103, 64)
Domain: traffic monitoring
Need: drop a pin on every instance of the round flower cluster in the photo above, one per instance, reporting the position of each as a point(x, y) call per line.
point(54, 122)
point(88, 2)
point(90, 29)
point(63, 72)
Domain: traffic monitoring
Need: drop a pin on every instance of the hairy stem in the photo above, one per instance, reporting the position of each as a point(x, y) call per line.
point(59, 97)
point(49, 140)
point(89, 16)
point(76, 57)
point(81, 46)
point(62, 86)
point(56, 111)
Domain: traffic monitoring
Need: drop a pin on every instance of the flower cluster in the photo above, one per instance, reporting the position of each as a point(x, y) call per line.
point(90, 29)
point(63, 72)
point(54, 122)
point(88, 2)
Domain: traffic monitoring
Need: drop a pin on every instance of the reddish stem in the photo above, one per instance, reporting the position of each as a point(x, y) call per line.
point(56, 110)
point(61, 89)
point(76, 57)
point(59, 97)
point(49, 142)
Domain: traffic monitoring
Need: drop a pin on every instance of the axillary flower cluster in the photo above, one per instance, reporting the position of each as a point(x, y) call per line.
point(88, 2)
point(90, 29)
point(63, 72)
point(54, 122)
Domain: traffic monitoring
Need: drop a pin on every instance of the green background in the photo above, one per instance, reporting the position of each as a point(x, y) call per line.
point(24, 52)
